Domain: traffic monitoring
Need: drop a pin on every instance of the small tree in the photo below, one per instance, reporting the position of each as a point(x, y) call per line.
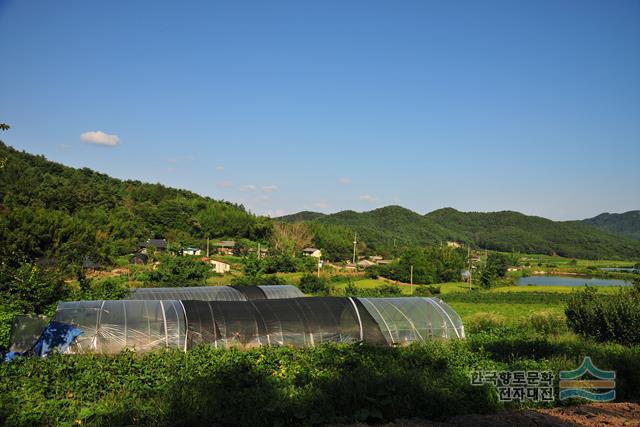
point(312, 284)
point(179, 271)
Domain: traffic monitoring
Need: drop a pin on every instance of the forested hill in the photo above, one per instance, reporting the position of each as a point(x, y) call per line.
point(48, 209)
point(301, 216)
point(624, 224)
point(384, 228)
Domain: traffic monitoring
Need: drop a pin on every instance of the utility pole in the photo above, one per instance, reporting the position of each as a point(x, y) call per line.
point(207, 246)
point(258, 250)
point(411, 280)
point(355, 242)
point(469, 261)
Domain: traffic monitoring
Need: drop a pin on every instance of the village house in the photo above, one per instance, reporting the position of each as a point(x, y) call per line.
point(159, 245)
point(365, 263)
point(225, 247)
point(316, 253)
point(191, 251)
point(219, 266)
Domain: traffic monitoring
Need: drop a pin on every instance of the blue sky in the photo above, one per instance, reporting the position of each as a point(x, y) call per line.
point(284, 106)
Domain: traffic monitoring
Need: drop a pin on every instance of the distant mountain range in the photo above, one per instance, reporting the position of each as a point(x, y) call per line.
point(504, 231)
point(624, 224)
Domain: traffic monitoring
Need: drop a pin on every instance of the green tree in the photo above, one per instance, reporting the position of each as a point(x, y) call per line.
point(175, 271)
point(312, 284)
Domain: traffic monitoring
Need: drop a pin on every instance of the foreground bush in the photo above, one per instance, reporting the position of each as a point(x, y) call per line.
point(613, 318)
point(266, 386)
point(284, 386)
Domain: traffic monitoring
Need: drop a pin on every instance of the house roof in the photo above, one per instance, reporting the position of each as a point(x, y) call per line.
point(310, 250)
point(225, 244)
point(156, 243)
point(142, 257)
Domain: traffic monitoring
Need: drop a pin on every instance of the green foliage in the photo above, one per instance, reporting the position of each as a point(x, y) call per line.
point(335, 241)
point(29, 289)
point(382, 291)
point(481, 297)
point(330, 384)
point(426, 291)
point(623, 224)
point(484, 322)
point(52, 210)
point(494, 268)
point(386, 228)
point(111, 288)
point(312, 284)
point(280, 262)
point(176, 271)
point(261, 280)
point(434, 264)
point(613, 317)
point(547, 323)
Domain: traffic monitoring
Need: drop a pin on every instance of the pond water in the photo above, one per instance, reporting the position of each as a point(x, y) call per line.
point(569, 281)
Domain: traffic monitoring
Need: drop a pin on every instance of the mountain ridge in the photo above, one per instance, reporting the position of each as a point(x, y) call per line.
point(624, 224)
point(505, 230)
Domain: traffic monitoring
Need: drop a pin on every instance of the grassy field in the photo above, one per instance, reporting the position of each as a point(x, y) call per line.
point(515, 303)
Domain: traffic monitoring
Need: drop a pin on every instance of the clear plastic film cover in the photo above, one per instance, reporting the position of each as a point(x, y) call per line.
point(112, 326)
point(216, 293)
point(405, 320)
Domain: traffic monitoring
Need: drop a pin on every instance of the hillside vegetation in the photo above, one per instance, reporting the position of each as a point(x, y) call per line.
point(393, 226)
point(624, 224)
point(73, 214)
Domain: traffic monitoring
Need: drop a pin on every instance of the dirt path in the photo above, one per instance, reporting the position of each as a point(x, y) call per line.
point(593, 414)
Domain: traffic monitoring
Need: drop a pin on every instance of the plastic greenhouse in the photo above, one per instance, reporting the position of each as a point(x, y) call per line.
point(143, 325)
point(216, 293)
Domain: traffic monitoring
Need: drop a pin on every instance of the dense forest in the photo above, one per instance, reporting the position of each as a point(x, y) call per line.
point(395, 227)
point(624, 224)
point(51, 210)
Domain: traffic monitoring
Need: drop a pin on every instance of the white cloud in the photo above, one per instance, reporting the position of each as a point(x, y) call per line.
point(225, 184)
point(321, 205)
point(100, 138)
point(248, 188)
point(368, 198)
point(219, 168)
point(344, 181)
point(270, 188)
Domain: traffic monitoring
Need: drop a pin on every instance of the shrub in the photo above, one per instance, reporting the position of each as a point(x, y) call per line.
point(547, 323)
point(389, 290)
point(426, 291)
point(175, 271)
point(312, 284)
point(606, 317)
point(262, 280)
point(484, 321)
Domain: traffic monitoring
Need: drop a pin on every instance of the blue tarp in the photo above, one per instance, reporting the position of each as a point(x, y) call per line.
point(57, 337)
